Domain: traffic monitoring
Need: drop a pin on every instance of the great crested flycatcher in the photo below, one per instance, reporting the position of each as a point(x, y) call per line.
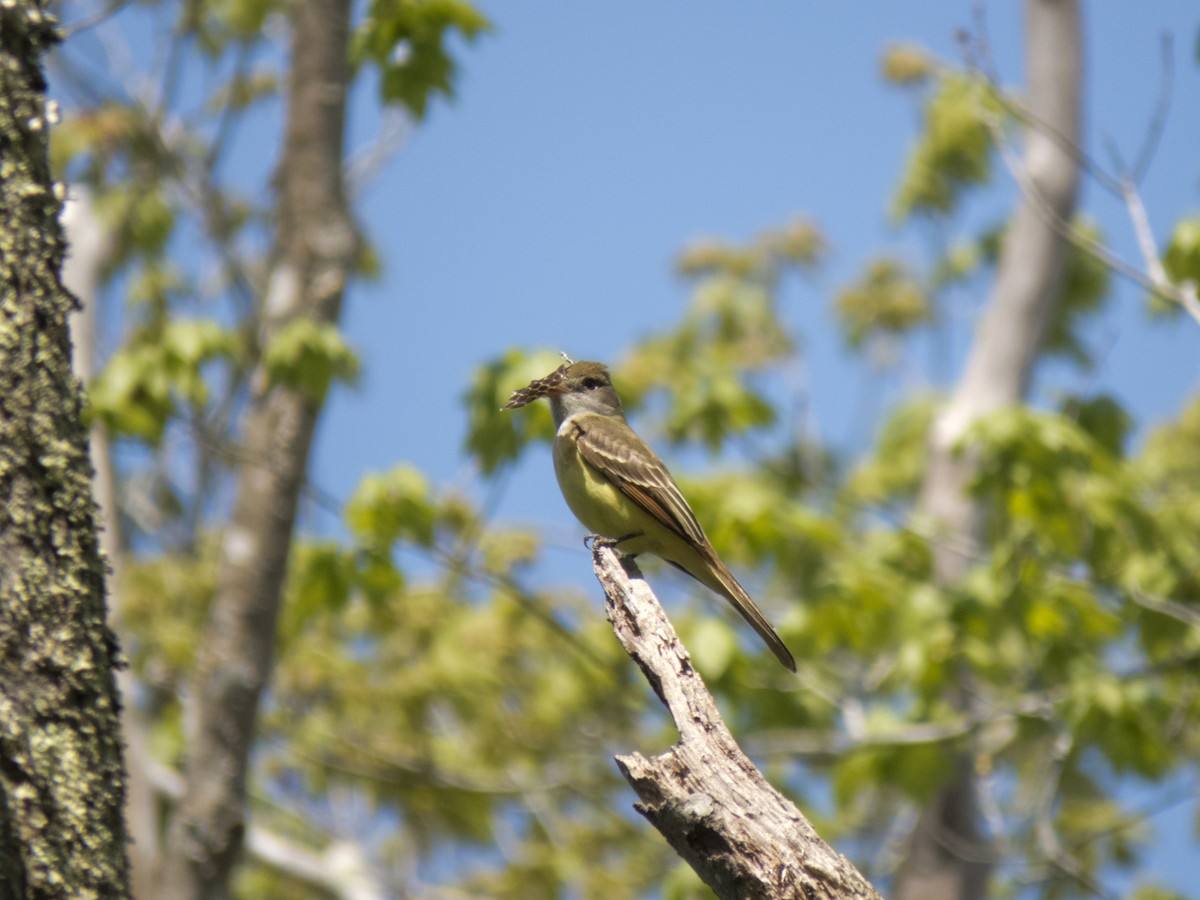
point(619, 488)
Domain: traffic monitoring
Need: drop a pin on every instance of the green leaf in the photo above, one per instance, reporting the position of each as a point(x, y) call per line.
point(886, 299)
point(310, 356)
point(496, 437)
point(953, 151)
point(139, 388)
point(1085, 287)
point(407, 39)
point(322, 577)
point(906, 64)
point(713, 643)
point(1182, 258)
point(140, 219)
point(377, 575)
point(396, 505)
point(799, 244)
point(247, 17)
point(962, 259)
point(897, 466)
point(1103, 418)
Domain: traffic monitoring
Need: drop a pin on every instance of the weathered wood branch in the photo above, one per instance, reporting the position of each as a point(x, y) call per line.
point(745, 839)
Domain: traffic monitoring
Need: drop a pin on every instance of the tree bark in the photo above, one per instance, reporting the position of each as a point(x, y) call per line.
point(89, 244)
point(315, 246)
point(948, 857)
point(742, 837)
point(62, 783)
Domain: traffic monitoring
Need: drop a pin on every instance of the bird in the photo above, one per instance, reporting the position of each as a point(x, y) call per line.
point(617, 486)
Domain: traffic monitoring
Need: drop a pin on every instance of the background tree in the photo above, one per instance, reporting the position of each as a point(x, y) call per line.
point(948, 855)
point(310, 264)
point(441, 707)
point(278, 363)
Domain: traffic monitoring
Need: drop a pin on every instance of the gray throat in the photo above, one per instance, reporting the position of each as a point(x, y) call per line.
point(602, 402)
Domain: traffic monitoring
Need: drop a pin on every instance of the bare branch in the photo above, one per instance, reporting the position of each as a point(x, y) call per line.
point(718, 812)
point(1177, 611)
point(976, 51)
point(1158, 119)
point(1183, 294)
point(341, 868)
point(1123, 185)
point(364, 164)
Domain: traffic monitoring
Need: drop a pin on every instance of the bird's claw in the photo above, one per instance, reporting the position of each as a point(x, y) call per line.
point(596, 541)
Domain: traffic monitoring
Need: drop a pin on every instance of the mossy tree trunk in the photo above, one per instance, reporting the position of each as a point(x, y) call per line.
point(62, 783)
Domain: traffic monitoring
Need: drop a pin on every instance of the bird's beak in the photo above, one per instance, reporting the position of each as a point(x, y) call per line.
point(536, 389)
point(520, 398)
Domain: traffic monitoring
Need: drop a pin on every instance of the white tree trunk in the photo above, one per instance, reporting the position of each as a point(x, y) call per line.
point(948, 857)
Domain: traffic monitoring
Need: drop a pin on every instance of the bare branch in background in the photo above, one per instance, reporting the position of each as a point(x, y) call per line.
point(1152, 277)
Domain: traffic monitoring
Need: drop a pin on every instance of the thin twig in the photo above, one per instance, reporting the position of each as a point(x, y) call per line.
point(1122, 186)
point(225, 123)
point(1177, 611)
point(982, 63)
point(362, 167)
point(1158, 119)
point(71, 29)
point(1184, 295)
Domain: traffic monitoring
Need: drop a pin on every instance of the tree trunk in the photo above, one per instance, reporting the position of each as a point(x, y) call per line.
point(314, 249)
point(948, 857)
point(90, 247)
point(62, 784)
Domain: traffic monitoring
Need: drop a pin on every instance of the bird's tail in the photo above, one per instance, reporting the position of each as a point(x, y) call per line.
point(722, 581)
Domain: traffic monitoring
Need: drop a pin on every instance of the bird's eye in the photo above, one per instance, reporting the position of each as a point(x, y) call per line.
point(591, 383)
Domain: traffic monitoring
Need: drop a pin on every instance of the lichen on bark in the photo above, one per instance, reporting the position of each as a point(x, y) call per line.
point(61, 777)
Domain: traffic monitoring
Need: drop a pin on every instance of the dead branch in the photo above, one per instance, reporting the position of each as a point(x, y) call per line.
point(718, 812)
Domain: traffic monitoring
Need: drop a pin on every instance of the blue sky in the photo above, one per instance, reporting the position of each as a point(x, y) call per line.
point(589, 142)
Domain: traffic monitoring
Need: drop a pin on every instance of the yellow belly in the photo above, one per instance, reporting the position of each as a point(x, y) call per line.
point(599, 504)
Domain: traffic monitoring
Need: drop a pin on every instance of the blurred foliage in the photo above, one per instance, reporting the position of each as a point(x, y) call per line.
point(310, 356)
point(906, 64)
point(158, 371)
point(886, 300)
point(444, 701)
point(407, 40)
point(494, 438)
point(893, 471)
point(1181, 262)
point(1085, 288)
point(954, 150)
point(699, 376)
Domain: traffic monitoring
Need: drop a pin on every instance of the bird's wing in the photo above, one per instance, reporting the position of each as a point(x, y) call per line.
point(629, 463)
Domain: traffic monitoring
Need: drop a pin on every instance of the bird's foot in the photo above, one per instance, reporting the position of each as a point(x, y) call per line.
point(595, 541)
